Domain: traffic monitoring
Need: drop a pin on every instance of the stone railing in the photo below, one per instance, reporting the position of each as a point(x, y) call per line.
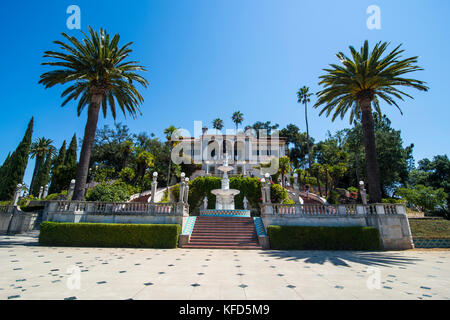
point(112, 207)
point(331, 210)
point(390, 219)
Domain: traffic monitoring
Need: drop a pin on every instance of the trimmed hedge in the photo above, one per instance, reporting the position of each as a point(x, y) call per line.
point(109, 235)
point(323, 238)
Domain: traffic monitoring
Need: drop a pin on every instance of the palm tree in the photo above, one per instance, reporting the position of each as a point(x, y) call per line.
point(39, 149)
point(169, 132)
point(358, 85)
point(218, 124)
point(284, 167)
point(237, 118)
point(126, 148)
point(303, 97)
point(100, 78)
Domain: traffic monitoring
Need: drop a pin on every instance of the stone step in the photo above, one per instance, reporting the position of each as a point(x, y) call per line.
point(195, 246)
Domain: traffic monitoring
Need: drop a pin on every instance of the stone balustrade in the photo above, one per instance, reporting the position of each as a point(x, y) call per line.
point(331, 210)
point(112, 207)
point(390, 219)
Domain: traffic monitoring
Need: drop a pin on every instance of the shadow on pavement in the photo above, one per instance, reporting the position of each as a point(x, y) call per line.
point(18, 240)
point(340, 258)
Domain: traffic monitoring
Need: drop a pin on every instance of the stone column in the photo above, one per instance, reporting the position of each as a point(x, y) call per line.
point(17, 194)
point(154, 186)
point(296, 188)
point(267, 188)
point(71, 190)
point(263, 191)
point(181, 188)
point(45, 191)
point(41, 190)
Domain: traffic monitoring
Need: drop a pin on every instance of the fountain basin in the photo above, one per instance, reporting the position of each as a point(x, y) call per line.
point(225, 198)
point(225, 213)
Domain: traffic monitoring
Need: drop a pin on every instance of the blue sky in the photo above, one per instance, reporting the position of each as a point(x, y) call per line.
point(209, 58)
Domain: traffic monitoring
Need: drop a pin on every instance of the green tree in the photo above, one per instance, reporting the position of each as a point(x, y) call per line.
point(393, 158)
point(70, 159)
point(303, 95)
point(43, 175)
point(358, 85)
point(284, 167)
point(145, 160)
point(171, 133)
point(298, 144)
point(126, 148)
point(425, 198)
point(14, 167)
point(218, 124)
point(101, 78)
point(39, 150)
point(237, 118)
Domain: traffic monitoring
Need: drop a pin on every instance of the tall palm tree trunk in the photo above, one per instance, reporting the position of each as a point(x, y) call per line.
point(373, 171)
point(86, 148)
point(307, 138)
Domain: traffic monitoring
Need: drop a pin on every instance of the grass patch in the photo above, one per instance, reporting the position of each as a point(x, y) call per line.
point(323, 238)
point(109, 235)
point(430, 228)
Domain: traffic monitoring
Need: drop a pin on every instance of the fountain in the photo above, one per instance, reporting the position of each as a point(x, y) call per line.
point(225, 196)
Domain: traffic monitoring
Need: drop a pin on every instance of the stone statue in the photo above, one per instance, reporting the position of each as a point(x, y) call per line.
point(205, 203)
point(41, 190)
point(245, 203)
point(154, 186)
point(45, 191)
point(71, 189)
point(363, 193)
point(17, 194)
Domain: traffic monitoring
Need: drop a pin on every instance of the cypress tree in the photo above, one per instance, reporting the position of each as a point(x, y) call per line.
point(56, 164)
point(14, 168)
point(65, 167)
point(61, 156)
point(71, 155)
point(43, 175)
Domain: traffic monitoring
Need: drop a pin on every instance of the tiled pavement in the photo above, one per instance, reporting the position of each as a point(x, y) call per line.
point(28, 271)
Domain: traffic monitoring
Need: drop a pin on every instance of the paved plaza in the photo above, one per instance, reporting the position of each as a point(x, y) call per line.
point(29, 271)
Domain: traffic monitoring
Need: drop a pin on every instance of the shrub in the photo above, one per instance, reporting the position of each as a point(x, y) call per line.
point(323, 238)
point(127, 175)
point(352, 189)
point(333, 198)
point(392, 200)
point(109, 235)
point(426, 198)
point(116, 192)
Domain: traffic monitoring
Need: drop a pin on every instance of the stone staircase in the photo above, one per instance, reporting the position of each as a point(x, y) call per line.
point(224, 233)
